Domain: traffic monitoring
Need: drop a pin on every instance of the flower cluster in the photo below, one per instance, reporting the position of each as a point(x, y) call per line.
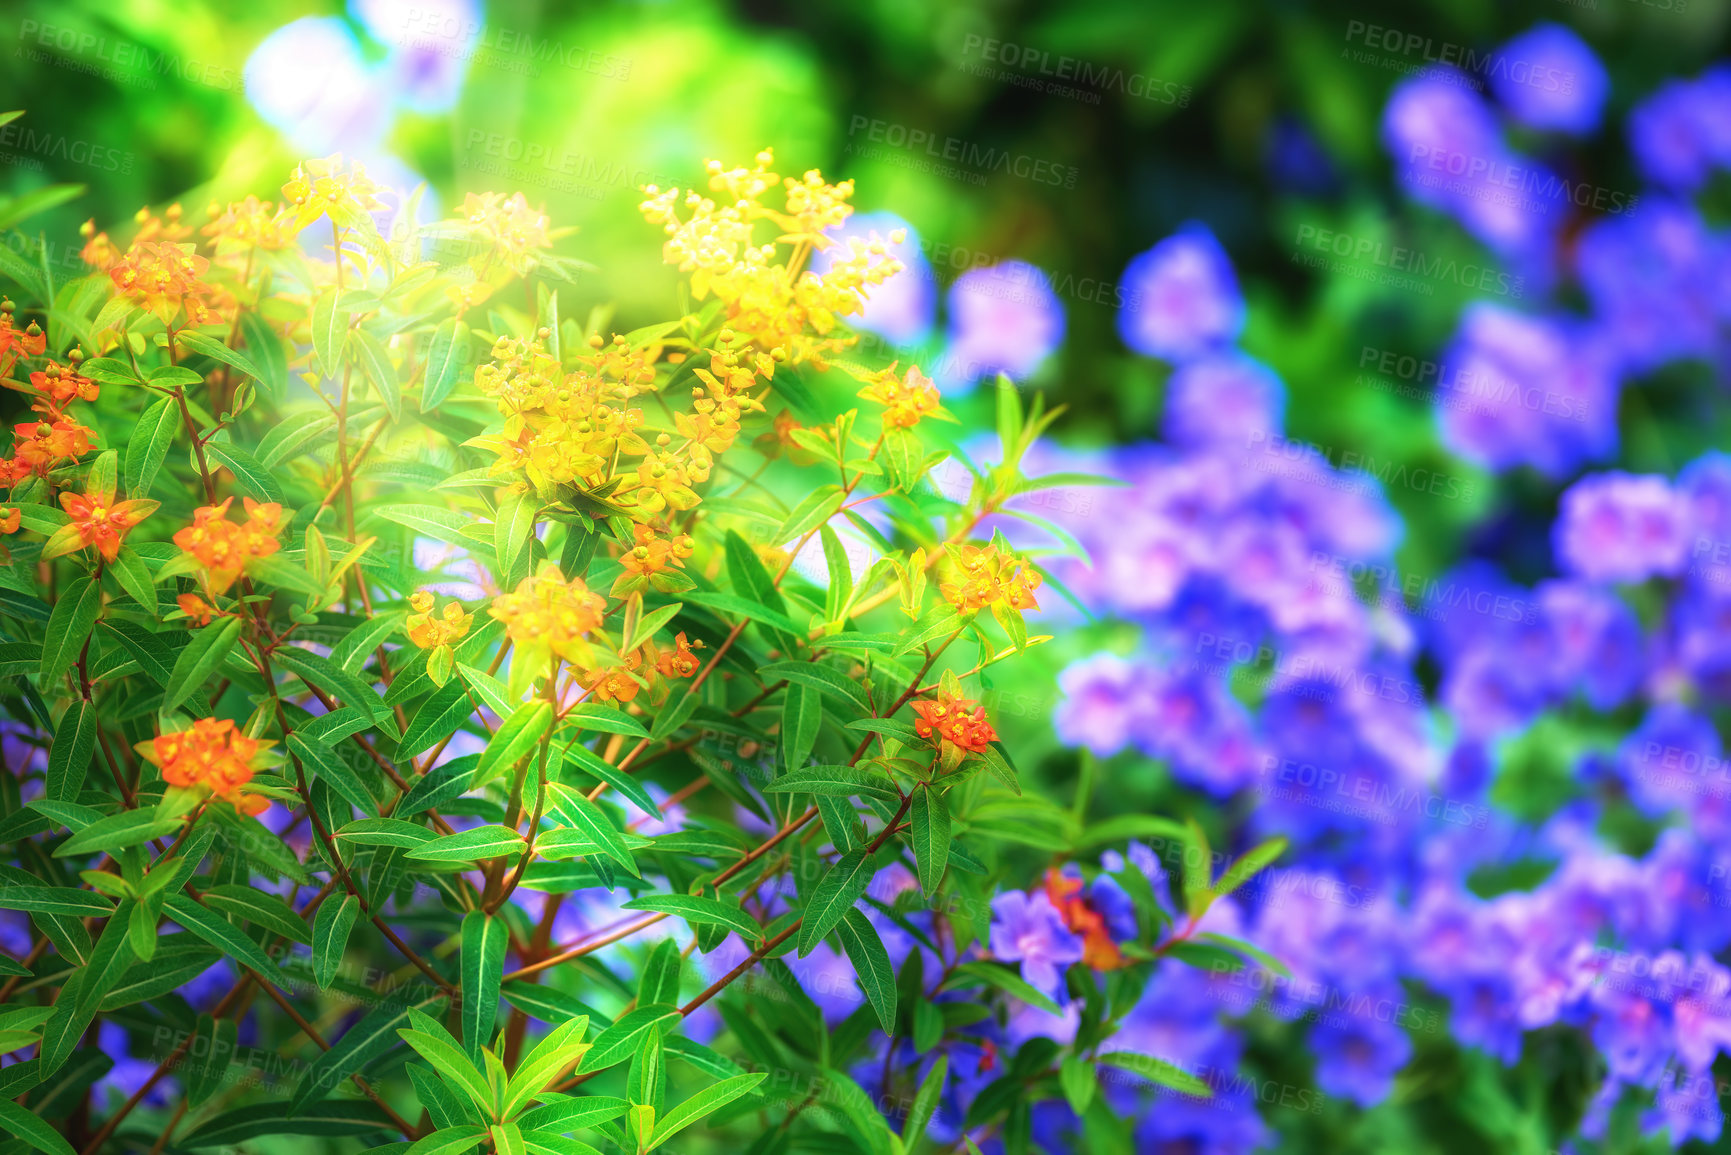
point(778, 304)
point(947, 721)
point(326, 188)
point(547, 614)
point(981, 576)
point(905, 399)
point(223, 549)
point(213, 754)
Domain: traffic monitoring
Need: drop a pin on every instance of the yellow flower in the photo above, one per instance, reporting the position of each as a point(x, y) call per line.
point(983, 575)
point(321, 188)
point(547, 611)
point(905, 401)
point(428, 632)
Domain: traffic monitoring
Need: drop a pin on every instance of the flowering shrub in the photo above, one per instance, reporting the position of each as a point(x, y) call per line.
point(512, 760)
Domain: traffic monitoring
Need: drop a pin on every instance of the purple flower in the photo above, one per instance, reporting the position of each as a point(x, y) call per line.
point(1619, 527)
point(1651, 275)
point(1181, 298)
point(1030, 930)
point(1102, 697)
point(1523, 390)
point(1548, 78)
point(1357, 1056)
point(309, 81)
point(1003, 319)
point(1595, 641)
point(430, 45)
point(901, 309)
point(1680, 132)
point(1224, 399)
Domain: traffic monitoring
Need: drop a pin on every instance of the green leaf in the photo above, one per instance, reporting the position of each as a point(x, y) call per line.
point(444, 356)
point(482, 842)
point(832, 682)
point(926, 1101)
point(333, 1119)
point(817, 507)
point(375, 1034)
point(620, 1040)
point(560, 1050)
point(1004, 979)
point(871, 962)
point(199, 659)
point(836, 781)
point(930, 814)
point(431, 520)
point(572, 1114)
point(129, 570)
point(1198, 859)
point(209, 346)
point(374, 362)
point(293, 435)
point(577, 811)
point(699, 910)
point(840, 590)
point(65, 900)
point(593, 764)
point(750, 579)
point(249, 473)
point(278, 572)
point(1158, 1071)
point(449, 1140)
point(742, 608)
point(442, 712)
point(118, 831)
point(328, 766)
point(801, 718)
point(835, 895)
point(211, 1037)
point(516, 738)
point(450, 1061)
point(221, 934)
point(513, 530)
point(69, 626)
point(484, 939)
point(70, 755)
point(708, 1100)
point(650, 623)
point(385, 832)
point(1077, 1079)
point(331, 926)
point(30, 1128)
point(330, 332)
point(1246, 868)
point(607, 719)
point(329, 677)
point(261, 908)
point(267, 352)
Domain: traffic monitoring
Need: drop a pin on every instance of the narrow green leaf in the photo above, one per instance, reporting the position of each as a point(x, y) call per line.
point(620, 1040)
point(209, 346)
point(199, 659)
point(699, 910)
point(835, 895)
point(577, 811)
point(516, 738)
point(331, 926)
point(69, 626)
point(475, 845)
point(70, 755)
point(484, 939)
point(871, 962)
point(376, 1033)
point(930, 814)
point(330, 330)
point(249, 473)
point(706, 1101)
point(324, 763)
point(130, 571)
point(221, 934)
point(444, 356)
point(1158, 1071)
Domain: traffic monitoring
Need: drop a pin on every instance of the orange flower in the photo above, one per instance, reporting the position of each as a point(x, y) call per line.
point(98, 520)
point(613, 684)
point(223, 548)
point(212, 754)
point(679, 662)
point(39, 445)
point(652, 554)
point(957, 721)
point(30, 341)
point(62, 384)
point(514, 230)
point(428, 632)
point(982, 575)
point(250, 223)
point(9, 519)
point(197, 610)
point(165, 278)
point(1099, 951)
point(904, 401)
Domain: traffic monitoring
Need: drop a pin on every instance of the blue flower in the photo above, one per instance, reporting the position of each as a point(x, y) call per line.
point(1548, 78)
point(1227, 399)
point(1181, 298)
point(1003, 319)
point(1030, 930)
